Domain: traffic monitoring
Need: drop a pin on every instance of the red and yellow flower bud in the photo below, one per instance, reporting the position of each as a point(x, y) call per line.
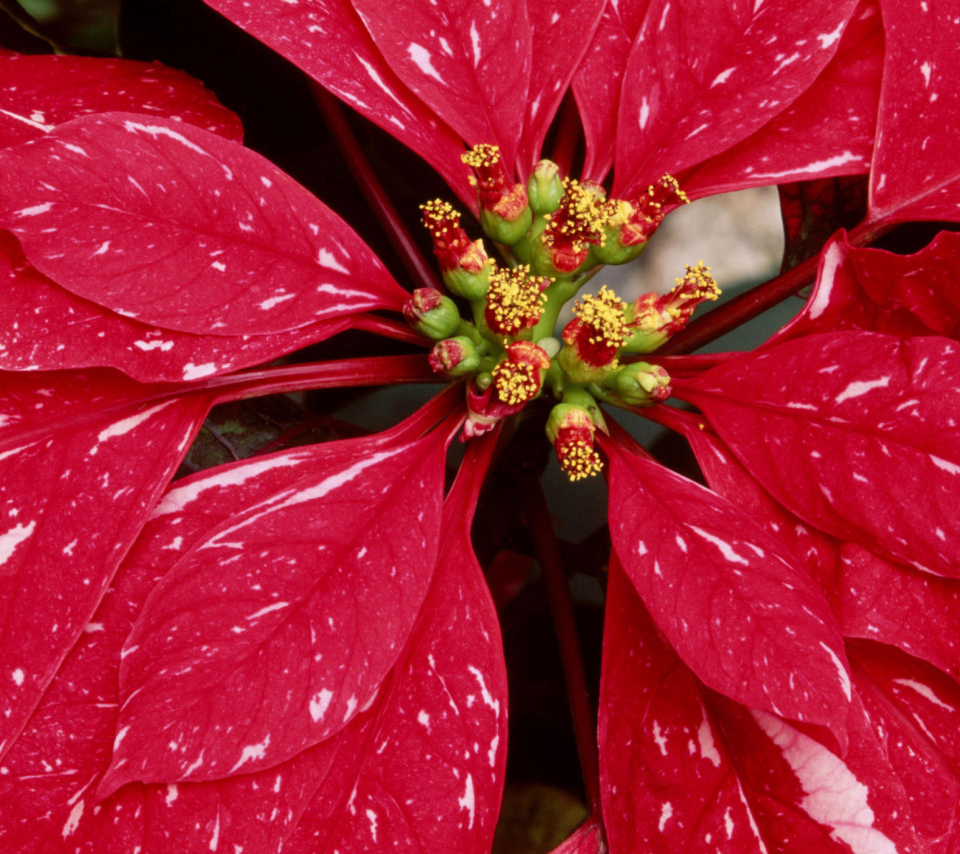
point(571, 230)
point(516, 380)
point(463, 263)
point(454, 357)
point(654, 319)
point(598, 330)
point(635, 222)
point(515, 301)
point(571, 430)
point(642, 384)
point(432, 314)
point(504, 210)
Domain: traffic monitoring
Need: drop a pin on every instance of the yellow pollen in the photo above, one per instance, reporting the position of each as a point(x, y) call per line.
point(697, 283)
point(515, 383)
point(440, 218)
point(579, 460)
point(480, 156)
point(515, 299)
point(604, 315)
point(580, 219)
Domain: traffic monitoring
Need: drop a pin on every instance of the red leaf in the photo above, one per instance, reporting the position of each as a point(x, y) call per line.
point(43, 327)
point(904, 295)
point(329, 42)
point(288, 611)
point(428, 774)
point(915, 173)
point(597, 81)
point(854, 432)
point(829, 130)
point(817, 552)
point(37, 804)
point(39, 92)
point(469, 60)
point(889, 603)
point(684, 769)
point(561, 32)
point(806, 798)
point(703, 76)
point(182, 229)
point(666, 778)
point(749, 623)
point(915, 711)
point(83, 458)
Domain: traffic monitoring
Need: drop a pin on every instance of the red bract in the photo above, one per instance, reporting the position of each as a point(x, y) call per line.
point(299, 652)
point(176, 227)
point(40, 92)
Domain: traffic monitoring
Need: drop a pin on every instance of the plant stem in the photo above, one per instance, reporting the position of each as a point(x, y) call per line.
point(377, 370)
point(416, 265)
point(561, 608)
point(729, 316)
point(388, 329)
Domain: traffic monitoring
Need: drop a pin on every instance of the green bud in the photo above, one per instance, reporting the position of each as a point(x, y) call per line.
point(454, 357)
point(467, 282)
point(432, 314)
point(503, 230)
point(643, 384)
point(545, 187)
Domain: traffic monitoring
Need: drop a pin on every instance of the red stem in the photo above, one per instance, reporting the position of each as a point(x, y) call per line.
point(395, 329)
point(568, 134)
point(378, 370)
point(416, 265)
point(739, 310)
point(561, 608)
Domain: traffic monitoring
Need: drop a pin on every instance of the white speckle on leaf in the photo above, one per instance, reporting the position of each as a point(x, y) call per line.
point(36, 210)
point(325, 258)
point(172, 794)
point(665, 812)
point(467, 802)
point(829, 39)
point(270, 303)
point(821, 299)
point(121, 428)
point(372, 816)
point(320, 703)
point(926, 692)
point(12, 538)
point(18, 677)
point(723, 76)
point(195, 372)
point(841, 671)
point(73, 820)
point(940, 463)
point(725, 548)
point(861, 387)
point(252, 751)
point(276, 606)
point(421, 58)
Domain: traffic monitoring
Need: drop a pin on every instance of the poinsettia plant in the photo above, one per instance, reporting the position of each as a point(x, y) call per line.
point(300, 650)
